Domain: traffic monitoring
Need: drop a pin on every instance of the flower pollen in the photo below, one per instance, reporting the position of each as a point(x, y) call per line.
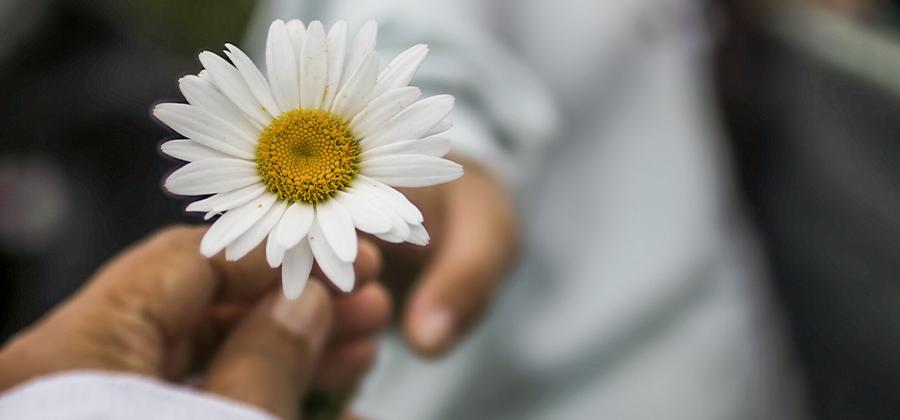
point(307, 155)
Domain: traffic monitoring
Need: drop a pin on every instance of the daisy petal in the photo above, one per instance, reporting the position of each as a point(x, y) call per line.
point(412, 170)
point(314, 66)
point(206, 129)
point(230, 82)
point(207, 124)
point(337, 52)
point(298, 263)
point(413, 122)
point(401, 69)
point(210, 176)
point(281, 64)
point(399, 230)
point(189, 150)
point(381, 109)
point(254, 79)
point(353, 95)
point(297, 33)
point(363, 45)
point(395, 199)
point(338, 228)
point(234, 223)
point(367, 218)
point(228, 200)
point(390, 237)
point(245, 243)
point(274, 252)
point(399, 227)
point(339, 272)
point(441, 127)
point(432, 146)
point(203, 94)
point(418, 235)
point(294, 225)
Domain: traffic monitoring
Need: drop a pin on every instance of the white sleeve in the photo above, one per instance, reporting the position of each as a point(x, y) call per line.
point(503, 115)
point(102, 395)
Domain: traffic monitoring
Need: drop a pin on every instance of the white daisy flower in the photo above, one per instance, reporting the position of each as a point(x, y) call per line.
point(310, 152)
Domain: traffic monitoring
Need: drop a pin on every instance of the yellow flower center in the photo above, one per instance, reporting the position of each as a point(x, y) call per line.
point(307, 155)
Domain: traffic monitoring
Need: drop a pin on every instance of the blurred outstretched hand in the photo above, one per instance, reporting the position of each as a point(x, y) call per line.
point(448, 284)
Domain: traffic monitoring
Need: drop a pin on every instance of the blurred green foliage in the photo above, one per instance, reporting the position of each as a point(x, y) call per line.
point(185, 27)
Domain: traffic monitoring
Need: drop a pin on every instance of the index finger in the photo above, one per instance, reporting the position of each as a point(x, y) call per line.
point(166, 279)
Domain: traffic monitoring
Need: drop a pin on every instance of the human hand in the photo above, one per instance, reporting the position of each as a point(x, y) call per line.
point(448, 284)
point(160, 309)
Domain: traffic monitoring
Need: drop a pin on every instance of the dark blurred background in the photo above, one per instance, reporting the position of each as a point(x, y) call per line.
point(80, 170)
point(809, 91)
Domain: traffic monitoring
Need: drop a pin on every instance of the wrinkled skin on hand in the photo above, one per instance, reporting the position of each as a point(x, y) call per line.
point(162, 310)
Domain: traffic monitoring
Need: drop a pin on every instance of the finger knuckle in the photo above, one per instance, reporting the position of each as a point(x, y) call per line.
point(177, 235)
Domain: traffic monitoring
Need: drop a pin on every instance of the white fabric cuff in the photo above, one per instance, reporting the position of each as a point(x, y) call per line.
point(102, 395)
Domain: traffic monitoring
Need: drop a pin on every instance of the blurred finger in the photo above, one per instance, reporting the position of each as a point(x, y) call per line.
point(166, 280)
point(362, 313)
point(270, 357)
point(342, 368)
point(480, 241)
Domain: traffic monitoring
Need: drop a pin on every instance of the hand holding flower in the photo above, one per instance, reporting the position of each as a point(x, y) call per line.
point(163, 310)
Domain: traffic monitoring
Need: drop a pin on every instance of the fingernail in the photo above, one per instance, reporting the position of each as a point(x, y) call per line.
point(435, 331)
point(307, 315)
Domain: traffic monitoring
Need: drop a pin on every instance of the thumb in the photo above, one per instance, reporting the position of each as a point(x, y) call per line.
point(270, 357)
